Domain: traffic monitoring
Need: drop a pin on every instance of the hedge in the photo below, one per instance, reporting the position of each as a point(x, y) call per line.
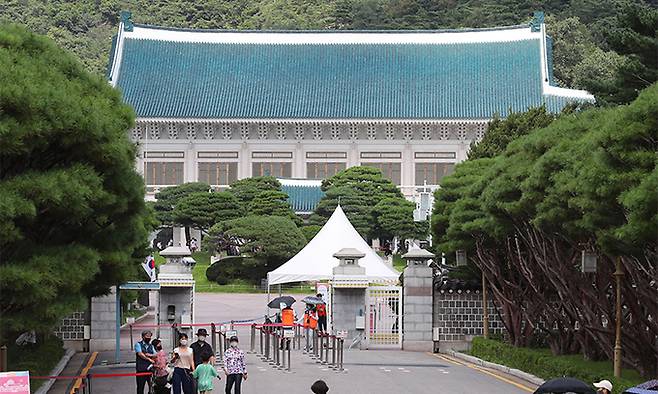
point(541, 364)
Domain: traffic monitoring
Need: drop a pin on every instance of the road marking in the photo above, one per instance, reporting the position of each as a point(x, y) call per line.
point(84, 371)
point(501, 378)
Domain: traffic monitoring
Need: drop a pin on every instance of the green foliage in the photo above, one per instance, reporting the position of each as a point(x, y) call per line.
point(359, 190)
point(227, 268)
point(501, 132)
point(395, 217)
point(543, 364)
point(245, 190)
point(203, 210)
point(72, 215)
point(38, 358)
point(310, 231)
point(267, 241)
point(273, 203)
point(167, 198)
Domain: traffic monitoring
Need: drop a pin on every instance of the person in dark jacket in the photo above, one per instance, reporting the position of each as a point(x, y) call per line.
point(202, 348)
point(144, 357)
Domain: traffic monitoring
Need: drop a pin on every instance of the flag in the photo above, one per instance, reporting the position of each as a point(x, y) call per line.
point(149, 267)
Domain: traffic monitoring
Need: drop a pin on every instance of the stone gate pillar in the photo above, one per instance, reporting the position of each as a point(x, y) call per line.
point(417, 302)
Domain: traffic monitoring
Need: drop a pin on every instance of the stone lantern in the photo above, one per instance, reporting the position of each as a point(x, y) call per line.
point(417, 256)
point(349, 285)
point(176, 303)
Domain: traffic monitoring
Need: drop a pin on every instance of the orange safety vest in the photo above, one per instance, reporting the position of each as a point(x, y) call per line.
point(322, 310)
point(288, 317)
point(310, 321)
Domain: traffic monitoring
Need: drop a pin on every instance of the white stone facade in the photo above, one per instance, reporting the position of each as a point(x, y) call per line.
point(406, 151)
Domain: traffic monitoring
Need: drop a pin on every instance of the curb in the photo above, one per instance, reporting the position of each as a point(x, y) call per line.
point(498, 367)
point(56, 371)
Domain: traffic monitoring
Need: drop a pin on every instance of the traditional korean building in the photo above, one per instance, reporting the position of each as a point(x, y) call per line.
point(217, 105)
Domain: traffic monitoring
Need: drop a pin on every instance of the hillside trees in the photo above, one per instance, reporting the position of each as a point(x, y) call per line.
point(72, 216)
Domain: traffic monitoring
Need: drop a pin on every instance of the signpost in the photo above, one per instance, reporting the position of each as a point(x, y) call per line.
point(288, 333)
point(341, 334)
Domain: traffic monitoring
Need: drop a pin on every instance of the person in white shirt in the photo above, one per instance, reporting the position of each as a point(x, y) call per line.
point(183, 360)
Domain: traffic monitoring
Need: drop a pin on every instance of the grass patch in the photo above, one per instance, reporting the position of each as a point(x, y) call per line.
point(399, 263)
point(542, 363)
point(39, 358)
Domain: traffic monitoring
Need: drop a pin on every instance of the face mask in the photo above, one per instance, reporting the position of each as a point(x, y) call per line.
point(234, 344)
point(147, 340)
point(183, 342)
point(202, 338)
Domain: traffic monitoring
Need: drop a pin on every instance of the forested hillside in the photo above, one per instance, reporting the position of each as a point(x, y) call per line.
point(606, 46)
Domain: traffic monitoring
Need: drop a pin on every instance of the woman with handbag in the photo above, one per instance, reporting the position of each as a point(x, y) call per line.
point(183, 361)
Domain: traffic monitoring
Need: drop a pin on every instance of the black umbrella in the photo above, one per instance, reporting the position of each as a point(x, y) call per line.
point(311, 300)
point(276, 303)
point(565, 385)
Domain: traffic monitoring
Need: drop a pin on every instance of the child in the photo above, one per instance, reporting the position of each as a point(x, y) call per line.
point(204, 374)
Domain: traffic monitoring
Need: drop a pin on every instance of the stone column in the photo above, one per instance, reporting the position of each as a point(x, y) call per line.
point(417, 302)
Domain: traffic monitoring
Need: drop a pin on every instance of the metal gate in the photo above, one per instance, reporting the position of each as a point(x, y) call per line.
point(383, 319)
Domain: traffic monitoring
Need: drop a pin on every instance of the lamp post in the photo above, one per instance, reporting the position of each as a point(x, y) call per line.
point(617, 359)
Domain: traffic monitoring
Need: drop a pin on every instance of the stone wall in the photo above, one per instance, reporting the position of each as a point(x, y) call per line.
point(103, 322)
point(345, 306)
point(458, 315)
point(72, 331)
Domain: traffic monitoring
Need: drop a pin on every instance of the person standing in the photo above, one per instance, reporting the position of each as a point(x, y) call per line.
point(183, 360)
point(201, 347)
point(603, 387)
point(235, 367)
point(161, 385)
point(204, 374)
point(322, 315)
point(144, 357)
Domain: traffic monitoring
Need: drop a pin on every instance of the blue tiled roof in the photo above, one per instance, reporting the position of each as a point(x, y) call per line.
point(332, 81)
point(303, 198)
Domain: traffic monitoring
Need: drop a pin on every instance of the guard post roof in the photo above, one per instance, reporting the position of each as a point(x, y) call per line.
point(333, 75)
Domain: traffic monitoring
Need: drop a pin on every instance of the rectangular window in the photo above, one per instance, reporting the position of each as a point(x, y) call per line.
point(218, 155)
point(163, 173)
point(326, 155)
point(323, 170)
point(432, 173)
point(392, 171)
point(435, 155)
point(271, 155)
point(281, 170)
point(176, 155)
point(218, 174)
point(381, 155)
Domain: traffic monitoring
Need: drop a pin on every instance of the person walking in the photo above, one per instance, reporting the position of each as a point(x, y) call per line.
point(204, 374)
point(144, 357)
point(603, 387)
point(201, 347)
point(235, 368)
point(322, 315)
point(161, 384)
point(319, 387)
point(183, 360)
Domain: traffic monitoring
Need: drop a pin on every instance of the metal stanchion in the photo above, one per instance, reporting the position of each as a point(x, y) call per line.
point(253, 338)
point(315, 344)
point(333, 350)
point(288, 343)
point(321, 349)
point(340, 354)
point(261, 340)
point(283, 352)
point(132, 346)
point(213, 336)
point(221, 348)
point(267, 346)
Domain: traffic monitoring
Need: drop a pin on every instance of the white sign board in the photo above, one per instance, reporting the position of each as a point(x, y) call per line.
point(288, 333)
point(341, 334)
point(231, 333)
point(222, 328)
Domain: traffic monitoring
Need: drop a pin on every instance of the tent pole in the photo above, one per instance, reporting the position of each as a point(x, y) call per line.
point(267, 308)
point(279, 290)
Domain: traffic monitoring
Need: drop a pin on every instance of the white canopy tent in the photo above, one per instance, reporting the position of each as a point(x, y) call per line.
point(315, 261)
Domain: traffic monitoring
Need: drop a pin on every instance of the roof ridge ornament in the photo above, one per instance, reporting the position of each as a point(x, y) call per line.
point(126, 20)
point(537, 21)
